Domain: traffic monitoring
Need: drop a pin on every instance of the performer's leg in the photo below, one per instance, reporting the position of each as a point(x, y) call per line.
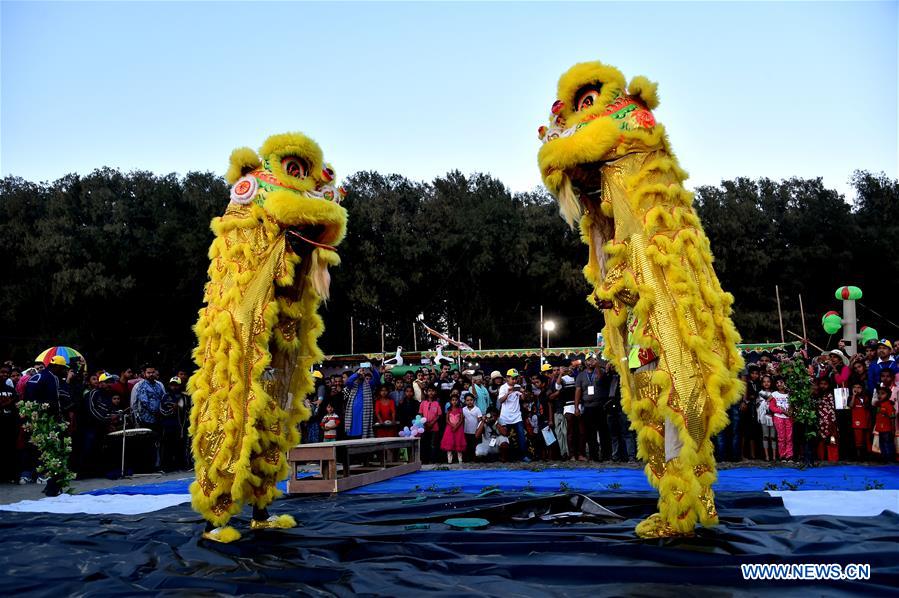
point(642, 410)
point(267, 466)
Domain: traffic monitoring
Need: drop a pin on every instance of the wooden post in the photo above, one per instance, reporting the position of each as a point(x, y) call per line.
point(802, 315)
point(352, 343)
point(542, 358)
point(414, 338)
point(779, 314)
point(479, 344)
point(459, 354)
point(382, 343)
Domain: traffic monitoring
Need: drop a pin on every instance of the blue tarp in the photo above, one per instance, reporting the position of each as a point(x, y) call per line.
point(473, 481)
point(169, 487)
point(743, 479)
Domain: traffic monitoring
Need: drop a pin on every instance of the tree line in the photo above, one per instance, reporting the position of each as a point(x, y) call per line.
point(114, 263)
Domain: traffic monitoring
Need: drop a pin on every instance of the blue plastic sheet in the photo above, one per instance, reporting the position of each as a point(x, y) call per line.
point(169, 487)
point(743, 479)
point(473, 481)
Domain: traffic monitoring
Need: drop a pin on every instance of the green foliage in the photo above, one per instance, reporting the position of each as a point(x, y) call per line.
point(784, 485)
point(806, 239)
point(111, 263)
point(114, 263)
point(464, 252)
point(49, 435)
point(803, 409)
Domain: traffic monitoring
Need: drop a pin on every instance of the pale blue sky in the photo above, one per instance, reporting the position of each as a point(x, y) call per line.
point(757, 89)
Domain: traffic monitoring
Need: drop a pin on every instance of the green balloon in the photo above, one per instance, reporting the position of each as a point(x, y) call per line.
point(853, 293)
point(867, 334)
point(832, 322)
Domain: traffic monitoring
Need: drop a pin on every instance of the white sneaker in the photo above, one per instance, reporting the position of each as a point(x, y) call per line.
point(42, 480)
point(24, 480)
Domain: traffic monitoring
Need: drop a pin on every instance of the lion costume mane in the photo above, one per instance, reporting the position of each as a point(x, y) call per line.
point(257, 334)
point(667, 321)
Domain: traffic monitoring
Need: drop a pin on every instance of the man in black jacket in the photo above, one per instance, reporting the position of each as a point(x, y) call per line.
point(624, 445)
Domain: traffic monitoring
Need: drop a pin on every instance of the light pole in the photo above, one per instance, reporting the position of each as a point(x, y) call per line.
point(548, 326)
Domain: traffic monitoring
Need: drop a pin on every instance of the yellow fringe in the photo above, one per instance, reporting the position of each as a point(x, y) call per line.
point(249, 241)
point(678, 247)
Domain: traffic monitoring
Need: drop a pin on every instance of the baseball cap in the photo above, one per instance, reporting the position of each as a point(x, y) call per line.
point(107, 377)
point(882, 341)
point(59, 360)
point(175, 380)
point(317, 374)
point(512, 372)
point(495, 374)
point(545, 367)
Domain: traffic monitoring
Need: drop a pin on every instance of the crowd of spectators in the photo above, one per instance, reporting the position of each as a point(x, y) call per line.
point(546, 412)
point(97, 406)
point(854, 400)
point(572, 410)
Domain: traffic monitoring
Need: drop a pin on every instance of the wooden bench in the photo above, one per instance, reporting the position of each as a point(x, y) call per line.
point(339, 471)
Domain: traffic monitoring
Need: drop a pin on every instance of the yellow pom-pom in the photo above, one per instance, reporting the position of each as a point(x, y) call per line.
point(275, 522)
point(646, 89)
point(225, 535)
point(242, 161)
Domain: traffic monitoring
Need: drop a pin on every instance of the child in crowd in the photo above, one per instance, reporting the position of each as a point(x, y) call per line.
point(385, 414)
point(885, 423)
point(407, 408)
point(492, 438)
point(769, 437)
point(533, 424)
point(472, 417)
point(330, 422)
point(453, 435)
point(828, 433)
point(779, 404)
point(430, 410)
point(861, 419)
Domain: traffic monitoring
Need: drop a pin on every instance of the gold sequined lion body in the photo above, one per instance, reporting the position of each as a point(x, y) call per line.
point(257, 334)
point(668, 328)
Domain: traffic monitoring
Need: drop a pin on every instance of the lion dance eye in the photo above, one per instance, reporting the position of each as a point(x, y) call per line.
point(294, 167)
point(587, 100)
point(587, 97)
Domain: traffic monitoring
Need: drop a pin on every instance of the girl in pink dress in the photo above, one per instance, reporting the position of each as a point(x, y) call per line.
point(453, 436)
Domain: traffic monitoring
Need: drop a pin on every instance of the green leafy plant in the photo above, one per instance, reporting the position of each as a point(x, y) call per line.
point(803, 409)
point(48, 434)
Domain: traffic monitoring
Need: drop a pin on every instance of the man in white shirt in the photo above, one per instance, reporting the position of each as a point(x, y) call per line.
point(472, 417)
point(510, 411)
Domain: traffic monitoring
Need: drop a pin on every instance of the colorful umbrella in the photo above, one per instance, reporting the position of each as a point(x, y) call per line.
point(67, 352)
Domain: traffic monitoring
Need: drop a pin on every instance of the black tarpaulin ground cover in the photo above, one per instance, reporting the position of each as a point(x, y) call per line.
point(535, 545)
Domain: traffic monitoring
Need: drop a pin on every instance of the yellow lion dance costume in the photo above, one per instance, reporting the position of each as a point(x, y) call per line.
point(668, 328)
point(257, 333)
